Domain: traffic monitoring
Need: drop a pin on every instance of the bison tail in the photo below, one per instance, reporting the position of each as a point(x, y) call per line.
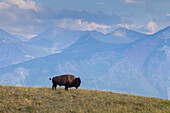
point(49, 78)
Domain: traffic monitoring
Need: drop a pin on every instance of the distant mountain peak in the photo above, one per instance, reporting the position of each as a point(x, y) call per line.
point(3, 33)
point(167, 27)
point(5, 36)
point(122, 29)
point(120, 32)
point(163, 34)
point(1, 30)
point(55, 28)
point(124, 32)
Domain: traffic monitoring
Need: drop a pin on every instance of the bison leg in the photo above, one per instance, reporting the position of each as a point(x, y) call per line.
point(66, 88)
point(55, 87)
point(76, 87)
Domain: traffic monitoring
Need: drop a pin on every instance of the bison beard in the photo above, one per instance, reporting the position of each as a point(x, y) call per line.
point(65, 80)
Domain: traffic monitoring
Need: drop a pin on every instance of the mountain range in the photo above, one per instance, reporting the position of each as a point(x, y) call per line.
point(56, 39)
point(122, 61)
point(16, 49)
point(13, 50)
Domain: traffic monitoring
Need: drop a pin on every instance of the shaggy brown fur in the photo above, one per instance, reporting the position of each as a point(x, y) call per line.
point(66, 80)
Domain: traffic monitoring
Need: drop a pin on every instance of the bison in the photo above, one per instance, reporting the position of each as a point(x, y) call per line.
point(66, 80)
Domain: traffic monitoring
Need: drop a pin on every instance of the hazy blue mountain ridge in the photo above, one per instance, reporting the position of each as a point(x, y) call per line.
point(139, 67)
point(13, 50)
point(56, 39)
point(119, 36)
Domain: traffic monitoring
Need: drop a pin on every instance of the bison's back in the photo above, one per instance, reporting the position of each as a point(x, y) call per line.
point(64, 79)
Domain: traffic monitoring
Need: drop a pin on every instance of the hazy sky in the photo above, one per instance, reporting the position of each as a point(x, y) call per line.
point(31, 17)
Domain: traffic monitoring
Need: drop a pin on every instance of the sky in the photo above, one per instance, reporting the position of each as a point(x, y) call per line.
point(28, 18)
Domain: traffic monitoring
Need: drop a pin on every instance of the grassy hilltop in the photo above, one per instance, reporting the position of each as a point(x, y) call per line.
point(22, 99)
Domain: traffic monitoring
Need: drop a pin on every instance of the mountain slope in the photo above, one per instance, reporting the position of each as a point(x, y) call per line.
point(44, 99)
point(120, 36)
point(55, 39)
point(140, 67)
point(14, 51)
point(146, 63)
point(73, 60)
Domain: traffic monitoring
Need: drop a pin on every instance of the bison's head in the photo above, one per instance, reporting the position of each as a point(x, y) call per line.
point(77, 82)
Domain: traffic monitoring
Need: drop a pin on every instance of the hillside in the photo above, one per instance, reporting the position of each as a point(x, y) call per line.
point(23, 99)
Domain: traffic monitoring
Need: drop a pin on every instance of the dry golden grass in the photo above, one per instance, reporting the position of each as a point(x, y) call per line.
point(23, 99)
